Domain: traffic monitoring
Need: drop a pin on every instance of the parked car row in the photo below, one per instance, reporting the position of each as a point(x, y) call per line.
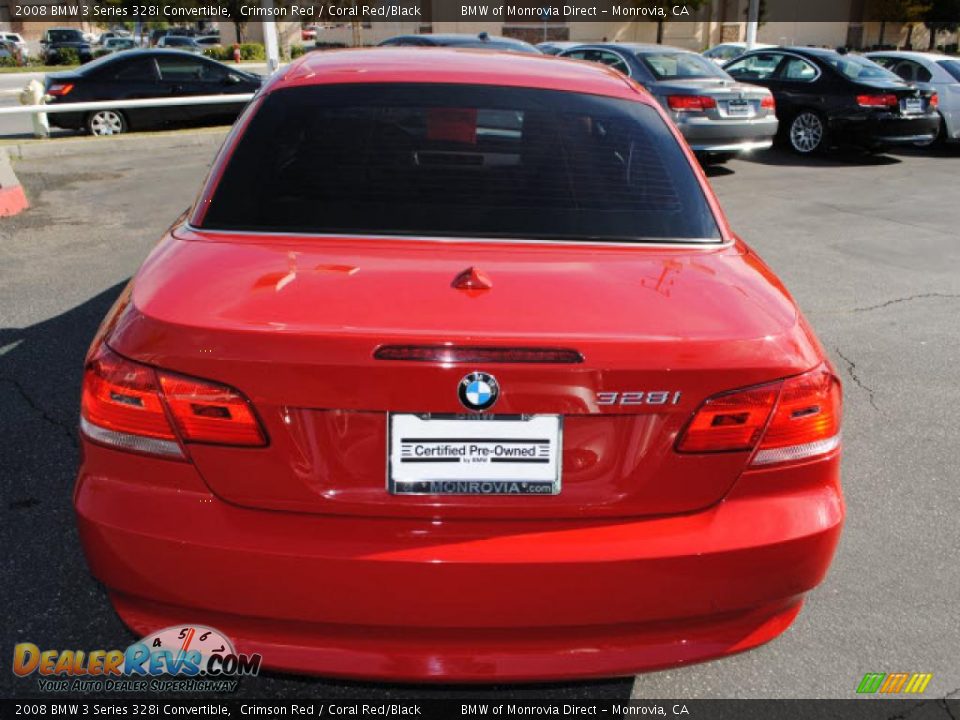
point(809, 98)
point(814, 98)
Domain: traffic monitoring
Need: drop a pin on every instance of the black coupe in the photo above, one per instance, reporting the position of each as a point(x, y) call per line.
point(825, 97)
point(136, 74)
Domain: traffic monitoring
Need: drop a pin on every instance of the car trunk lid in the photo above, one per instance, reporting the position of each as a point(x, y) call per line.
point(734, 100)
point(295, 324)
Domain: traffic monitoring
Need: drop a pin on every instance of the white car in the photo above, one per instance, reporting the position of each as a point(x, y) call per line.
point(929, 70)
point(116, 44)
point(15, 39)
point(725, 52)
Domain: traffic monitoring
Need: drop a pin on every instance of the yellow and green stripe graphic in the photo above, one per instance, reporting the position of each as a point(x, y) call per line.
point(892, 683)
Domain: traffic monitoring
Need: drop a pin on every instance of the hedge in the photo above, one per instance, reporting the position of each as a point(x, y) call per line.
point(248, 51)
point(64, 56)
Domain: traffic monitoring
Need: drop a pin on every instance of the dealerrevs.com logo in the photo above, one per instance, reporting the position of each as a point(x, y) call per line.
point(182, 658)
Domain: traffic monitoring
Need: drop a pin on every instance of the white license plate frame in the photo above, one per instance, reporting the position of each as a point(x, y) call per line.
point(458, 455)
point(739, 108)
point(913, 106)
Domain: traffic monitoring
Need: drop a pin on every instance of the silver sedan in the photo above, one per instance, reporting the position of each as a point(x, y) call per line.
point(718, 116)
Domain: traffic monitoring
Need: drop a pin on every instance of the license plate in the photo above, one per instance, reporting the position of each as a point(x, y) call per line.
point(738, 108)
point(913, 105)
point(474, 456)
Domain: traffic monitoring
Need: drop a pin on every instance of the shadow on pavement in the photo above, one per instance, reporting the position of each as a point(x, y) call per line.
point(839, 156)
point(712, 171)
point(46, 593)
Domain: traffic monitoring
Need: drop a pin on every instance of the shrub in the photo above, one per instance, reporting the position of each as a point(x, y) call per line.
point(100, 52)
point(296, 51)
point(251, 51)
point(248, 51)
point(65, 56)
point(8, 62)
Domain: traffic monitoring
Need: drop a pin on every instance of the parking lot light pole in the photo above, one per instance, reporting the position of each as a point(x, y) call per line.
point(270, 40)
point(753, 20)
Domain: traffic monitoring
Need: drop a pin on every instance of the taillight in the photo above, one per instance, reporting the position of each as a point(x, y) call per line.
point(135, 407)
point(886, 100)
point(934, 101)
point(59, 89)
point(768, 103)
point(206, 412)
point(690, 103)
point(806, 421)
point(121, 406)
point(792, 419)
point(732, 421)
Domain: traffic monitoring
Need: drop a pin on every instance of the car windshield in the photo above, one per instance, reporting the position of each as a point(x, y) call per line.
point(58, 36)
point(952, 67)
point(680, 66)
point(177, 41)
point(724, 52)
point(858, 68)
point(460, 160)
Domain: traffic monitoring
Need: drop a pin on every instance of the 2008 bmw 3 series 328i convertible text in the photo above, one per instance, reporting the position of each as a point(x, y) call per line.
point(455, 371)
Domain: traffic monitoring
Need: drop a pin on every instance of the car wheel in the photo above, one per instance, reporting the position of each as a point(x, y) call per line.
point(807, 133)
point(106, 122)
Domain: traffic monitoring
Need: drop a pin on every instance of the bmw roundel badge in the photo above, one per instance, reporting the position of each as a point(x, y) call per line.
point(478, 391)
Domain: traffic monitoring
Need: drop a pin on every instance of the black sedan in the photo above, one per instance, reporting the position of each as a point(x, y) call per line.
point(138, 74)
point(481, 40)
point(827, 98)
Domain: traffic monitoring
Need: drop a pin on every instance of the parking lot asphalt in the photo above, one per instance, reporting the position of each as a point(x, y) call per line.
point(870, 247)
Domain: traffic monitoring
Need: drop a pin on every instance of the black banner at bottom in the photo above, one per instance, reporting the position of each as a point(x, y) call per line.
point(860, 709)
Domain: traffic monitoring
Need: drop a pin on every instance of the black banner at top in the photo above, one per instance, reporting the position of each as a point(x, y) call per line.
point(427, 12)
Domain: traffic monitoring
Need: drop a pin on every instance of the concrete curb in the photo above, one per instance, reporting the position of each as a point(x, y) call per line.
point(12, 198)
point(62, 147)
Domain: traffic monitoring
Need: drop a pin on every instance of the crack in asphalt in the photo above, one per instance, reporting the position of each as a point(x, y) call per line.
point(896, 301)
point(942, 701)
point(946, 705)
point(37, 408)
point(852, 370)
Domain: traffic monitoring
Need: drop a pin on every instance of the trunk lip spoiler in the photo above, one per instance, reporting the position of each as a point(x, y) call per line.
point(664, 243)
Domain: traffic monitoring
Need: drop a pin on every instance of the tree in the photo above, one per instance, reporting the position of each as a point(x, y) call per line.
point(234, 8)
point(902, 11)
point(663, 10)
point(943, 16)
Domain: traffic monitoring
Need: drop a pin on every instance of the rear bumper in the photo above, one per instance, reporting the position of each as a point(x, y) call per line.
point(707, 135)
point(886, 129)
point(461, 600)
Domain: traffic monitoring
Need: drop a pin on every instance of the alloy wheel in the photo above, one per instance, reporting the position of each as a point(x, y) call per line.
point(806, 132)
point(106, 122)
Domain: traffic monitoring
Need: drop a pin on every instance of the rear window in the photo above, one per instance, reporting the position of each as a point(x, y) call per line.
point(680, 66)
point(952, 67)
point(858, 68)
point(460, 160)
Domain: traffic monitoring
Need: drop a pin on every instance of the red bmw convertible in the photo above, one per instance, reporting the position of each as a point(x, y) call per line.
point(455, 371)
